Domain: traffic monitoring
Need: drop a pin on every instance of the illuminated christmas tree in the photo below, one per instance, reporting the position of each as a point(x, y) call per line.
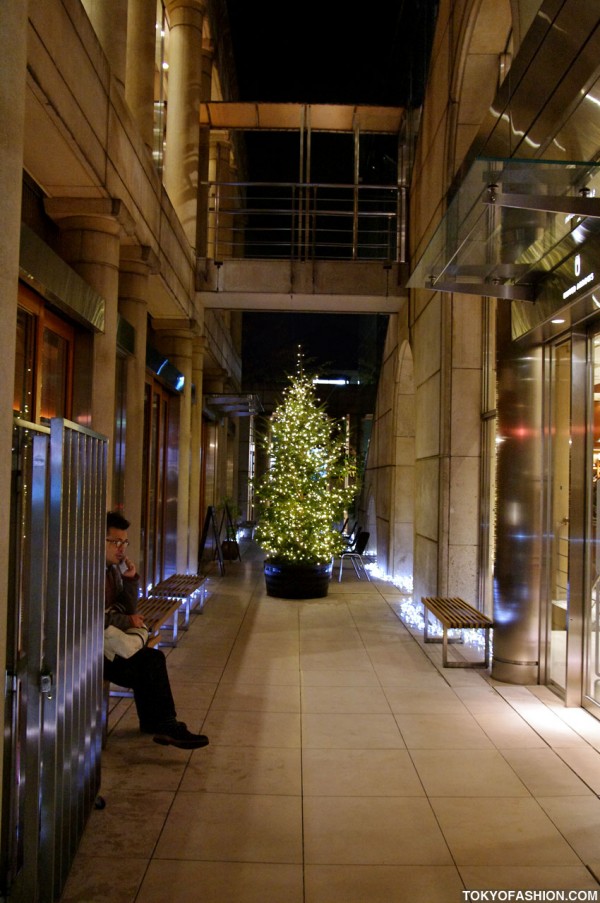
point(306, 488)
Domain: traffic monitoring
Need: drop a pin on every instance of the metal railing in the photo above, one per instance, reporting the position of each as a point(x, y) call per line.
point(256, 220)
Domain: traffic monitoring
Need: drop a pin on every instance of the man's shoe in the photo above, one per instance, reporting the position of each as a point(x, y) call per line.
point(179, 736)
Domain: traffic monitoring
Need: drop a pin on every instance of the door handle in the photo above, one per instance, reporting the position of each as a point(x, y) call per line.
point(47, 684)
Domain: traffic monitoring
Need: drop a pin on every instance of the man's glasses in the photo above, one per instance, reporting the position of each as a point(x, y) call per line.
point(119, 543)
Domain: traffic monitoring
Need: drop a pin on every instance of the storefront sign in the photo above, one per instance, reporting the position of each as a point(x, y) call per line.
point(581, 283)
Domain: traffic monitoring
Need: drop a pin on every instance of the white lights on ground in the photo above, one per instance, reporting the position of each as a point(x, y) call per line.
point(403, 583)
point(411, 612)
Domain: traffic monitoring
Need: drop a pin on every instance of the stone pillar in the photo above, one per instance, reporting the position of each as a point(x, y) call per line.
point(204, 159)
point(109, 21)
point(13, 28)
point(196, 514)
point(137, 263)
point(90, 242)
point(139, 68)
point(176, 342)
point(183, 103)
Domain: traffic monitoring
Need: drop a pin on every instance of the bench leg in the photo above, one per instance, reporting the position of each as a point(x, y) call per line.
point(186, 613)
point(197, 600)
point(445, 640)
point(466, 664)
point(437, 639)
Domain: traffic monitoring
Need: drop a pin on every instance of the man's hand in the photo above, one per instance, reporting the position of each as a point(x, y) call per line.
point(136, 621)
point(131, 570)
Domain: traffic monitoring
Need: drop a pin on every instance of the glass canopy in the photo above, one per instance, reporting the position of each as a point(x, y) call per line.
point(525, 230)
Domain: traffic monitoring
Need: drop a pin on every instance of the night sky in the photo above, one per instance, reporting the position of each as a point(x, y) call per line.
point(331, 344)
point(326, 51)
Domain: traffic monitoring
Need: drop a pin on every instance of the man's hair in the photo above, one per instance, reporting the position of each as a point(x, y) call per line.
point(116, 520)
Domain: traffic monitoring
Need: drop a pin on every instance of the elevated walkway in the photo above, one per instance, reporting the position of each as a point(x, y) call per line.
point(330, 286)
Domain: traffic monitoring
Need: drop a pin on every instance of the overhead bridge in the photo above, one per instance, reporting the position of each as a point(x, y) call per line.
point(306, 246)
point(302, 286)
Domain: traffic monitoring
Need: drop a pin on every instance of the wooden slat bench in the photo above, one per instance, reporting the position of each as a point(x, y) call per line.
point(456, 614)
point(161, 612)
point(189, 589)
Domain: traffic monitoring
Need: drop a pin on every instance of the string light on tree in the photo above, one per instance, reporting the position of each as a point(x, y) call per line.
point(305, 490)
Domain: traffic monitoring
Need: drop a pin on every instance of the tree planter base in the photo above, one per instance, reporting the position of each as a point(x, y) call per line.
point(297, 581)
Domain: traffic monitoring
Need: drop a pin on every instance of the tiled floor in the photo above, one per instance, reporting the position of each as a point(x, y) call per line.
point(345, 766)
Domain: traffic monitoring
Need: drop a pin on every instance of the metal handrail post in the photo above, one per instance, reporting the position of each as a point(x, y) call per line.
point(355, 223)
point(401, 217)
point(217, 206)
point(355, 193)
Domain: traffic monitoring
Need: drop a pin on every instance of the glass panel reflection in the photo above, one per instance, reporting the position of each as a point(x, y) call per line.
point(593, 615)
point(479, 240)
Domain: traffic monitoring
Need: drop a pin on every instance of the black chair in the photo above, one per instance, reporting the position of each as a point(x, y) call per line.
point(350, 538)
point(354, 554)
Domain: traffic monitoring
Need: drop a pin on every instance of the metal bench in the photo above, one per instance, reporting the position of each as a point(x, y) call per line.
point(456, 614)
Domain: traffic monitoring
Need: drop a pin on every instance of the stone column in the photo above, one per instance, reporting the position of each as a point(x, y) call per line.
point(13, 28)
point(90, 242)
point(109, 20)
point(196, 515)
point(184, 94)
point(137, 263)
point(204, 158)
point(176, 342)
point(139, 68)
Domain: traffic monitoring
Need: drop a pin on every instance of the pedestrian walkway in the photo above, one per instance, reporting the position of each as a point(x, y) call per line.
point(345, 766)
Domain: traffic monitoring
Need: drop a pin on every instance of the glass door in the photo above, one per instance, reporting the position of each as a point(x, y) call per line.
point(592, 620)
point(559, 526)
point(159, 479)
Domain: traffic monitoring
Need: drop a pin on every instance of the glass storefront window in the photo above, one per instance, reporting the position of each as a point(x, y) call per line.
point(119, 445)
point(24, 365)
point(43, 362)
point(54, 370)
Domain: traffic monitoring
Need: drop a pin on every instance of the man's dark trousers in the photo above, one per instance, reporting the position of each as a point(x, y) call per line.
point(146, 674)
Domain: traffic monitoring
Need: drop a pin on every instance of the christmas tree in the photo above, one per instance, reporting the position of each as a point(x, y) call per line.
point(306, 488)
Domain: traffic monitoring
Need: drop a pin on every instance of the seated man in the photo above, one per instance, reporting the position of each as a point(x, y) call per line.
point(146, 671)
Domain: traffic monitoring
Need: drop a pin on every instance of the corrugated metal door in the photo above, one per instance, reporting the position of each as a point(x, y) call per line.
point(54, 660)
